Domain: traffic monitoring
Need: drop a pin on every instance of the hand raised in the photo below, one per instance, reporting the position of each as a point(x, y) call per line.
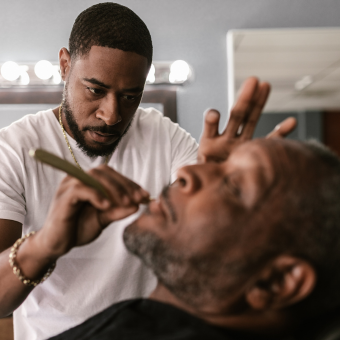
point(78, 213)
point(242, 122)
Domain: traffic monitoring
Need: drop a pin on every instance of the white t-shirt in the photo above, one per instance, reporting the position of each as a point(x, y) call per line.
point(89, 278)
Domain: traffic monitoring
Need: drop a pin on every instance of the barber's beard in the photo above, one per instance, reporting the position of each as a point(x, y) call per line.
point(78, 135)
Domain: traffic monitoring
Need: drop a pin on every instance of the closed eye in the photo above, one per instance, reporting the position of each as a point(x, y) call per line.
point(230, 185)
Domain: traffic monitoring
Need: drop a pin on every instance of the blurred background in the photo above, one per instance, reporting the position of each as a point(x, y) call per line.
point(190, 30)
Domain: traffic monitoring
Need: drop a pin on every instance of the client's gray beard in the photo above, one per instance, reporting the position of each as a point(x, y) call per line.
point(195, 280)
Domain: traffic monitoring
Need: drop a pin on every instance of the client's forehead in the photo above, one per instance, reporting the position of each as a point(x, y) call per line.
point(269, 164)
point(252, 156)
point(269, 152)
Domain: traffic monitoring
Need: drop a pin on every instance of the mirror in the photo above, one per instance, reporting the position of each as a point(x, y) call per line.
point(303, 66)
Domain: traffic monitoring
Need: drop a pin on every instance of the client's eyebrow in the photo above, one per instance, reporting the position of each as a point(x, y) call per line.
point(96, 82)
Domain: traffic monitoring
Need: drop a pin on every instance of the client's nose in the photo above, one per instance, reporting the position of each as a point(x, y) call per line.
point(188, 179)
point(193, 178)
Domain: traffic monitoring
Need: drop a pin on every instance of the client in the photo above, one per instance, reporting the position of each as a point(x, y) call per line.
point(244, 249)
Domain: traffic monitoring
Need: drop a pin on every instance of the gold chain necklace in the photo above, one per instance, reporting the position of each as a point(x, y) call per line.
point(68, 144)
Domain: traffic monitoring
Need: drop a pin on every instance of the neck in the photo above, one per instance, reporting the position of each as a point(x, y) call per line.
point(265, 324)
point(63, 119)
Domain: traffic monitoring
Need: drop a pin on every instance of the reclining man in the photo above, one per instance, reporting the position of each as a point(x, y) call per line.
point(244, 249)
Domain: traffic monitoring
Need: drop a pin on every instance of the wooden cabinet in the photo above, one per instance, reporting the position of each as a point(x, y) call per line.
point(331, 130)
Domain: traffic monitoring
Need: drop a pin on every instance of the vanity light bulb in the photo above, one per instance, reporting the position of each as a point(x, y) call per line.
point(24, 78)
point(56, 75)
point(10, 70)
point(43, 69)
point(151, 75)
point(179, 71)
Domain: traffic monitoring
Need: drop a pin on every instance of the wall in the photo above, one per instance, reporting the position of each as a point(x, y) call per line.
point(193, 30)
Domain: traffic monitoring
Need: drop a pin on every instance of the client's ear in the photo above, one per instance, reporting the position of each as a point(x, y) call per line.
point(283, 282)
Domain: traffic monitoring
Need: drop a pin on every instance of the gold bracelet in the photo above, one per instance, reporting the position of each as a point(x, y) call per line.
point(16, 269)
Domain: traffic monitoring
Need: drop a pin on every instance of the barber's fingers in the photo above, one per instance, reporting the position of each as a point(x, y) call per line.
point(121, 190)
point(284, 128)
point(243, 106)
point(255, 111)
point(72, 193)
point(211, 122)
point(115, 214)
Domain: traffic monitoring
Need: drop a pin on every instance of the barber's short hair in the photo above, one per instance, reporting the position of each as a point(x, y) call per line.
point(110, 25)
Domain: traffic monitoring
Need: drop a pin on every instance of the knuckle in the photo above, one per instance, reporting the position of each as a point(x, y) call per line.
point(134, 186)
point(102, 167)
point(236, 117)
point(76, 185)
point(94, 171)
point(252, 122)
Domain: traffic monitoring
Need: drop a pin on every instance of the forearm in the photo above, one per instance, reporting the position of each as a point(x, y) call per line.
point(77, 217)
point(33, 265)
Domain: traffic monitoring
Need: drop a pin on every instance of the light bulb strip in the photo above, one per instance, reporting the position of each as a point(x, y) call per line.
point(46, 73)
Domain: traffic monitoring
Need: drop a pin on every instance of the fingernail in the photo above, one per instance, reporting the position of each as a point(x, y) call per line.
point(212, 113)
point(277, 127)
point(206, 112)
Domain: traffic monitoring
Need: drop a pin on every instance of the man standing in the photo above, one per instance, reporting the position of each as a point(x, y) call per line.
point(105, 69)
point(99, 122)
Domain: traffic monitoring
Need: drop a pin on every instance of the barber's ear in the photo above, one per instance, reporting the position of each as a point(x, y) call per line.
point(64, 63)
point(285, 281)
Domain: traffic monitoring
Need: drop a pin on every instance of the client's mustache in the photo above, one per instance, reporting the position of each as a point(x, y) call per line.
point(102, 129)
point(165, 196)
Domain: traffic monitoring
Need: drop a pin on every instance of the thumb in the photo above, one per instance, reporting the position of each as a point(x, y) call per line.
point(284, 128)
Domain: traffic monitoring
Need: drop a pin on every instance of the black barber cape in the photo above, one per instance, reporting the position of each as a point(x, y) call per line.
point(144, 319)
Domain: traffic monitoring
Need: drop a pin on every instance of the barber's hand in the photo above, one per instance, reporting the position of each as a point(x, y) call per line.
point(242, 123)
point(79, 213)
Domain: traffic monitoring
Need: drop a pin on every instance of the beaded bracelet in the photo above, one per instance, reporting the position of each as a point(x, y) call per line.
point(16, 269)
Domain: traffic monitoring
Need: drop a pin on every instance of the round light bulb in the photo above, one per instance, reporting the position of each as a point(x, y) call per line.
point(151, 75)
point(179, 71)
point(43, 69)
point(10, 70)
point(56, 75)
point(24, 78)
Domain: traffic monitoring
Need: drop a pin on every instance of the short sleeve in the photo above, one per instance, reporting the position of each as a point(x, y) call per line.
point(12, 193)
point(183, 149)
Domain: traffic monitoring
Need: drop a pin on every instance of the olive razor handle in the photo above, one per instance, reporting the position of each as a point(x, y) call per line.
point(63, 165)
